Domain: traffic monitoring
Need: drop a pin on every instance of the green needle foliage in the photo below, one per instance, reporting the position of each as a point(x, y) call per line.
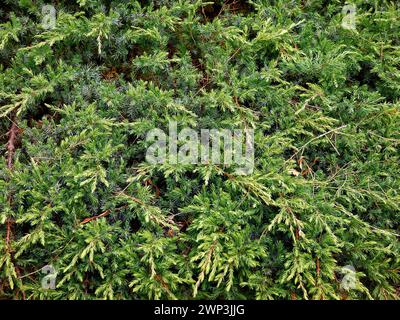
point(76, 103)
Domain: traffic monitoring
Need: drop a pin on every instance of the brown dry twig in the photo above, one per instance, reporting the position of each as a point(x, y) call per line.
point(103, 214)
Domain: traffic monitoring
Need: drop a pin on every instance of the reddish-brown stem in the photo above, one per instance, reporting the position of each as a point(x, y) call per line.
point(8, 234)
point(103, 214)
point(12, 137)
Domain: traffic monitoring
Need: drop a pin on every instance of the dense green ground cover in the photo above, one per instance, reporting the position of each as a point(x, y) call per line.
point(77, 100)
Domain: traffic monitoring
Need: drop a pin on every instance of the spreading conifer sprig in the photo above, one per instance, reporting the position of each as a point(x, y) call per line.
point(76, 102)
